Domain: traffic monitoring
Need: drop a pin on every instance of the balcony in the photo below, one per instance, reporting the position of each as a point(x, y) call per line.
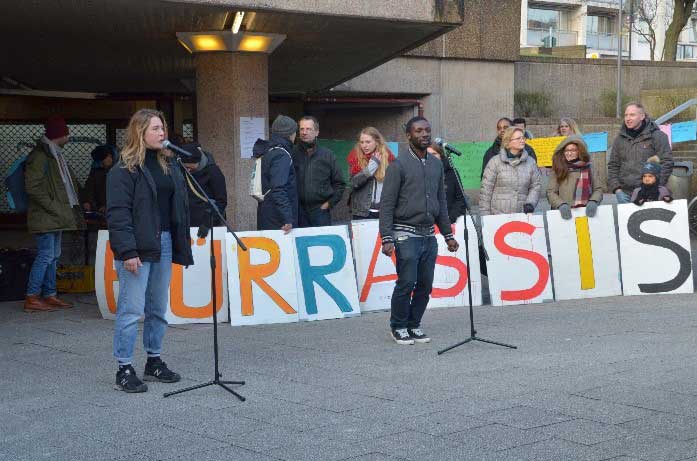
point(606, 41)
point(551, 37)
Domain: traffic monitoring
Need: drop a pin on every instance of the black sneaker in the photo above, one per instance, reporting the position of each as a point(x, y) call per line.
point(418, 335)
point(156, 370)
point(401, 336)
point(127, 381)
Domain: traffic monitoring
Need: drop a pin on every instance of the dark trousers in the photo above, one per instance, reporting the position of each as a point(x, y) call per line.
point(316, 217)
point(371, 215)
point(416, 262)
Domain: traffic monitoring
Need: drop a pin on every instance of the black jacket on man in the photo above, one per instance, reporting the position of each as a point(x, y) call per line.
point(319, 178)
point(457, 203)
point(494, 150)
point(280, 205)
point(133, 215)
point(413, 194)
point(630, 153)
point(212, 181)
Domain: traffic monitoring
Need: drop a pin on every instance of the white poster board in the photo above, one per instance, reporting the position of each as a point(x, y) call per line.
point(377, 275)
point(251, 129)
point(655, 248)
point(585, 259)
point(190, 298)
point(326, 281)
point(518, 265)
point(262, 280)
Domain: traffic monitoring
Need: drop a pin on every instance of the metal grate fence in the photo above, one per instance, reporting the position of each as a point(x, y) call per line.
point(17, 140)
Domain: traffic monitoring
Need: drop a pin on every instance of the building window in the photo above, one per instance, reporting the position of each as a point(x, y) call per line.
point(543, 19)
point(602, 25)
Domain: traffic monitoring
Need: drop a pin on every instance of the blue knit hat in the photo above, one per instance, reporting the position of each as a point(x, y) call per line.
point(652, 166)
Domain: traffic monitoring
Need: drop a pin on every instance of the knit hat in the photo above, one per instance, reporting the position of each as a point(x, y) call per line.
point(652, 166)
point(56, 127)
point(99, 153)
point(194, 149)
point(284, 126)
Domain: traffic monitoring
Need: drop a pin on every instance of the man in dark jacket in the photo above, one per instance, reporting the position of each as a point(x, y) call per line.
point(93, 195)
point(53, 207)
point(639, 138)
point(202, 167)
point(413, 200)
point(279, 210)
point(501, 126)
point(320, 182)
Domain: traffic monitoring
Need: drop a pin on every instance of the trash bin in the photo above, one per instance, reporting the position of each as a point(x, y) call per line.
point(679, 181)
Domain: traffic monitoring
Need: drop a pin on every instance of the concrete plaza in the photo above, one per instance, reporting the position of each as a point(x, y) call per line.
point(611, 378)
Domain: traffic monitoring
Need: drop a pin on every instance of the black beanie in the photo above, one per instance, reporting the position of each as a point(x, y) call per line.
point(99, 153)
point(194, 149)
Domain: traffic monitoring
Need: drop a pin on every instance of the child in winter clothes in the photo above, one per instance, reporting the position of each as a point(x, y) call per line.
point(650, 191)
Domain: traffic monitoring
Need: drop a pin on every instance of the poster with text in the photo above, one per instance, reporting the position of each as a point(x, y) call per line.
point(190, 299)
point(585, 260)
point(518, 264)
point(326, 281)
point(655, 248)
point(262, 280)
point(377, 275)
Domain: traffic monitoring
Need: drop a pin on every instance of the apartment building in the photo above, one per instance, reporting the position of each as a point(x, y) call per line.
point(594, 24)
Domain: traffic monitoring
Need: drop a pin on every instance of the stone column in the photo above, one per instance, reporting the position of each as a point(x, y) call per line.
point(230, 86)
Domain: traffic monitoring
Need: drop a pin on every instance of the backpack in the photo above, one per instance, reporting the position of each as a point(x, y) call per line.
point(14, 183)
point(255, 188)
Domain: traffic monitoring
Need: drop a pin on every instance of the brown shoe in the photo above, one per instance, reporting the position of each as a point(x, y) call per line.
point(57, 303)
point(33, 303)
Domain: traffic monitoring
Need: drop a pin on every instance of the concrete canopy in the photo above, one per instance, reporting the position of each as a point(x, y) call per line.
point(129, 46)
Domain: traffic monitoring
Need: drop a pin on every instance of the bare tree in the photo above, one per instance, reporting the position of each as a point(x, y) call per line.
point(682, 10)
point(643, 22)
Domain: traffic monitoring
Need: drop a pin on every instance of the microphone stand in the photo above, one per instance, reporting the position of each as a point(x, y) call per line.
point(473, 334)
point(213, 208)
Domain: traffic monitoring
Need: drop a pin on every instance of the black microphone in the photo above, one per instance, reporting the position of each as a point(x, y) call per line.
point(447, 147)
point(167, 144)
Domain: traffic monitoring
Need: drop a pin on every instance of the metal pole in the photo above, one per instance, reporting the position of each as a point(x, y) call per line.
point(619, 62)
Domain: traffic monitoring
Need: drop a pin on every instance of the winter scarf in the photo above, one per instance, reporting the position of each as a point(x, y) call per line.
point(584, 185)
point(648, 193)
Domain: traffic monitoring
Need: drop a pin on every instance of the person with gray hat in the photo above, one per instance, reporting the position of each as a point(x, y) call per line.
point(279, 209)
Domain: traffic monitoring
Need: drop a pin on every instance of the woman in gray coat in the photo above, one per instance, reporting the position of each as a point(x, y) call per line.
point(511, 181)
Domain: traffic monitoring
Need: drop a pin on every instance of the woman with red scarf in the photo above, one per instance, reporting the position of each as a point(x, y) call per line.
point(574, 181)
point(368, 162)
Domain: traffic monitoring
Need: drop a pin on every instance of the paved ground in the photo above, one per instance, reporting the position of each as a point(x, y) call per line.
point(614, 378)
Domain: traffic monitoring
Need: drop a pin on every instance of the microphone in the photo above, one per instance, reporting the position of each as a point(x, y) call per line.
point(447, 147)
point(167, 144)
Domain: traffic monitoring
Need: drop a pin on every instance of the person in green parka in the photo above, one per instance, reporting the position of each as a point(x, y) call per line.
point(53, 207)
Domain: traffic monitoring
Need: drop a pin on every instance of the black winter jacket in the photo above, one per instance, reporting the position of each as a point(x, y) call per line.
point(133, 216)
point(319, 178)
point(280, 206)
point(413, 194)
point(212, 180)
point(457, 203)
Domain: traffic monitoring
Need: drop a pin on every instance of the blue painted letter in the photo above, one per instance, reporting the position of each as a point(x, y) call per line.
point(310, 274)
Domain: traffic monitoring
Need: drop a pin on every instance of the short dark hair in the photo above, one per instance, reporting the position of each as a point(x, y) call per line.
point(519, 120)
point(502, 119)
point(636, 104)
point(410, 123)
point(311, 118)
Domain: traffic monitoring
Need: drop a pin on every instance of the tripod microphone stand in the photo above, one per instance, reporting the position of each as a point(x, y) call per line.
point(213, 209)
point(473, 334)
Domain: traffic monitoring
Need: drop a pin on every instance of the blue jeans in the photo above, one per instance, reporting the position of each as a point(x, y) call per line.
point(146, 292)
point(622, 197)
point(42, 278)
point(416, 262)
point(316, 217)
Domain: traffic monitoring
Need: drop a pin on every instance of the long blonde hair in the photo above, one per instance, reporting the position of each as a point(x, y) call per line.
point(573, 126)
point(133, 152)
point(381, 147)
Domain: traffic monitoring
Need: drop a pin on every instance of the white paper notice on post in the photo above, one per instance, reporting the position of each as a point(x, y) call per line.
point(251, 129)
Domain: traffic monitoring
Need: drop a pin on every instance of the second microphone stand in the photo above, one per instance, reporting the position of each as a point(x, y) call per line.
point(473, 334)
point(213, 210)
